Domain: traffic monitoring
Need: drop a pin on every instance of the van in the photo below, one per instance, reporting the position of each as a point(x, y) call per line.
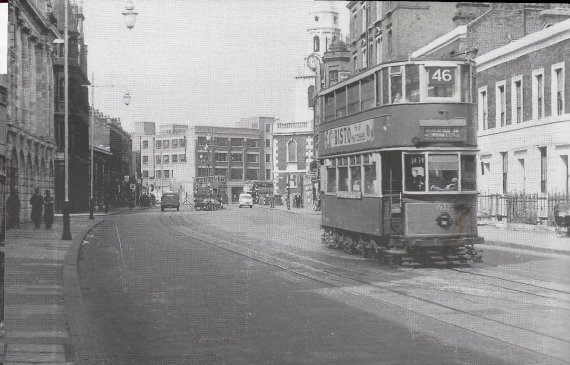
point(169, 200)
point(245, 199)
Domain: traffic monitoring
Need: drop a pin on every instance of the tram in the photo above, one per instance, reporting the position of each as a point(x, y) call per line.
point(397, 148)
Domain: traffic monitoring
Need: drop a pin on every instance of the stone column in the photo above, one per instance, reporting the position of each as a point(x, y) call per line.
point(34, 123)
point(16, 95)
point(25, 80)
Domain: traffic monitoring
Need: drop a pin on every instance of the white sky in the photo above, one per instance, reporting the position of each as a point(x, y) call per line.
point(198, 62)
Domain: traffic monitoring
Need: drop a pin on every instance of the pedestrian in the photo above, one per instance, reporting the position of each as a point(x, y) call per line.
point(37, 201)
point(13, 209)
point(48, 210)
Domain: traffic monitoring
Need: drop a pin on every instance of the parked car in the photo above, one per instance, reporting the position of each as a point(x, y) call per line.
point(245, 199)
point(169, 200)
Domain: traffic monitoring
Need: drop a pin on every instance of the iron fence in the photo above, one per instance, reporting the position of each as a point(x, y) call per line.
point(519, 208)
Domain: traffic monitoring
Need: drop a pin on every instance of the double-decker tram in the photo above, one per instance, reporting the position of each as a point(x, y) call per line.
point(397, 147)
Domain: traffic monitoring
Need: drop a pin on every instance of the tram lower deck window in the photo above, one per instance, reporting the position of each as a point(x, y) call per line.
point(415, 172)
point(468, 173)
point(443, 172)
point(370, 179)
point(331, 179)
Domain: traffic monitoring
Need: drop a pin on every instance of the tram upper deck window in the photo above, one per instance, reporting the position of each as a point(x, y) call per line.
point(341, 102)
point(412, 83)
point(414, 165)
point(367, 93)
point(329, 107)
point(396, 84)
point(353, 98)
point(443, 170)
point(441, 82)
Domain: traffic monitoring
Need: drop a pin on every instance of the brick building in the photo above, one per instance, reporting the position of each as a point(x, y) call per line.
point(524, 99)
point(520, 51)
point(292, 153)
point(383, 31)
point(265, 126)
point(238, 154)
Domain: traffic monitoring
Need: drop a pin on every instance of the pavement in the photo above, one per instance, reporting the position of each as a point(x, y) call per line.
point(538, 238)
point(42, 301)
point(43, 306)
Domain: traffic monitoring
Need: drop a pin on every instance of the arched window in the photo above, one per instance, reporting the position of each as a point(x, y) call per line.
point(291, 151)
point(316, 44)
point(310, 96)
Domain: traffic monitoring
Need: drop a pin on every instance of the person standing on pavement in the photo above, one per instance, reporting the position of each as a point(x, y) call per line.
point(13, 209)
point(37, 201)
point(48, 210)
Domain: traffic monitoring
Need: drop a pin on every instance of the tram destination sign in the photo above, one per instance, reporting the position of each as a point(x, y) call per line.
point(444, 130)
point(444, 134)
point(351, 134)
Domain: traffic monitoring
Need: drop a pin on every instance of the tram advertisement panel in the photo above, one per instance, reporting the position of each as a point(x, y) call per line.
point(351, 134)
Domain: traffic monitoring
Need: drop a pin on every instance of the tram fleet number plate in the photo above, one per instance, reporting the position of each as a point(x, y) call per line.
point(443, 206)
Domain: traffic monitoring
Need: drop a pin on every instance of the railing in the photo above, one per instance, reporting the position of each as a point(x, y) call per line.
point(520, 208)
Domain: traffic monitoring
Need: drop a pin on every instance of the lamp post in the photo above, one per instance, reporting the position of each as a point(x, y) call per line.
point(130, 15)
point(66, 234)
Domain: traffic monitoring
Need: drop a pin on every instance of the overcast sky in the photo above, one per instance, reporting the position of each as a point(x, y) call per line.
point(204, 62)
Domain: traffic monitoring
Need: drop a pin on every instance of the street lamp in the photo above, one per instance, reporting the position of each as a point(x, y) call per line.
point(66, 234)
point(130, 15)
point(127, 99)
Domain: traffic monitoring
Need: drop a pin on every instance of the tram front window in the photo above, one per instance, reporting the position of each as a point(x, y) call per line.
point(441, 82)
point(415, 172)
point(468, 168)
point(443, 172)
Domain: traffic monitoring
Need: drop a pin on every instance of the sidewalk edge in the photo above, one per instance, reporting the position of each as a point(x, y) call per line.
point(525, 247)
point(79, 327)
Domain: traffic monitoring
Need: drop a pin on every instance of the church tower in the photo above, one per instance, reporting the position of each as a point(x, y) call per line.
point(323, 26)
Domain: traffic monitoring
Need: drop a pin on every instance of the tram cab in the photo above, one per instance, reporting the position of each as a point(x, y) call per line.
point(397, 149)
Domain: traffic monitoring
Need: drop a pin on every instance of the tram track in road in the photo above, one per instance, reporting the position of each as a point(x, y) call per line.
point(381, 292)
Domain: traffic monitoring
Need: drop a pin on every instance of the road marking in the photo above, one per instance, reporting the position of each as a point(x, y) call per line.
point(123, 276)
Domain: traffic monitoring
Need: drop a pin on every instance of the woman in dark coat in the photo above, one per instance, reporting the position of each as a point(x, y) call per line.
point(48, 210)
point(37, 201)
point(13, 209)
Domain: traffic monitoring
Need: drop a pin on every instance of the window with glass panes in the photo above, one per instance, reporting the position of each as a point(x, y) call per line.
point(501, 103)
point(166, 143)
point(505, 158)
point(517, 100)
point(174, 143)
point(174, 158)
point(145, 159)
point(543, 169)
point(145, 144)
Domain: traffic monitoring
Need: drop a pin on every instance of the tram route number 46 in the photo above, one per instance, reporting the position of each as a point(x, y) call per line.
point(440, 75)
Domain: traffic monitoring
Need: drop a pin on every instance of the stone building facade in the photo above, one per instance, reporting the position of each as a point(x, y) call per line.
point(30, 142)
